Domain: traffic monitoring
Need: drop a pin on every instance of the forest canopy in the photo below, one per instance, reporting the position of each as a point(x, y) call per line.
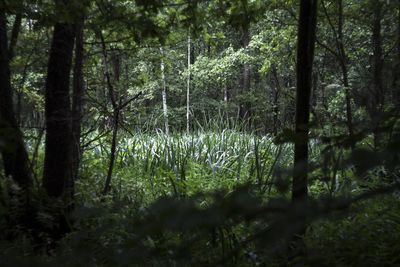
point(199, 133)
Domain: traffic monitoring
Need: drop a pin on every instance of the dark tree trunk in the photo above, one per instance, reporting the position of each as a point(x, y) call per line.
point(107, 185)
point(341, 56)
point(14, 34)
point(245, 106)
point(276, 96)
point(378, 95)
point(227, 93)
point(77, 101)
point(19, 94)
point(305, 57)
point(14, 154)
point(397, 85)
point(396, 69)
point(57, 162)
point(115, 112)
point(343, 65)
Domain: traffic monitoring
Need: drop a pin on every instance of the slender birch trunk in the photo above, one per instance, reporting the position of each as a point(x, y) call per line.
point(188, 85)
point(164, 92)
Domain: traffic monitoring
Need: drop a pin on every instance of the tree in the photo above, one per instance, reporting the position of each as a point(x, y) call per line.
point(396, 67)
point(117, 104)
point(77, 99)
point(116, 111)
point(57, 163)
point(378, 99)
point(164, 92)
point(397, 87)
point(245, 107)
point(188, 83)
point(340, 54)
point(343, 64)
point(304, 67)
point(342, 58)
point(15, 157)
point(276, 93)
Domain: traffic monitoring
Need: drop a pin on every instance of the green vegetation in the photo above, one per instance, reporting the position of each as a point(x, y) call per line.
point(185, 164)
point(199, 133)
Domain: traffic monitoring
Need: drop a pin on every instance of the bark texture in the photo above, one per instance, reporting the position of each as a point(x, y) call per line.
point(14, 154)
point(305, 57)
point(188, 84)
point(345, 76)
point(378, 99)
point(115, 112)
point(164, 92)
point(77, 101)
point(57, 163)
point(304, 70)
point(396, 68)
point(245, 106)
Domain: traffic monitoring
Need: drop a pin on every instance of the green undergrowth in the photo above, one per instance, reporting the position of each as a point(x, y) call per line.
point(365, 236)
point(153, 165)
point(216, 199)
point(223, 228)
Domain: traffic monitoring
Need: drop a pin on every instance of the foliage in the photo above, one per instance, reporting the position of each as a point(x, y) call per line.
point(218, 193)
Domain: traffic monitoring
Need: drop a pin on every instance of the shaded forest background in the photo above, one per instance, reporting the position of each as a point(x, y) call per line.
point(199, 133)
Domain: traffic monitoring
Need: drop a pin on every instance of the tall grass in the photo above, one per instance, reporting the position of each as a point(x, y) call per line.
point(151, 165)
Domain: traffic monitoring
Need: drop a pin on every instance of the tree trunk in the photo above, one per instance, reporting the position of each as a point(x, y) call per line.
point(378, 96)
point(343, 65)
point(116, 112)
point(397, 85)
point(276, 102)
point(14, 34)
point(14, 154)
point(188, 85)
point(164, 92)
point(226, 93)
point(113, 151)
point(57, 163)
point(305, 57)
point(245, 106)
point(340, 55)
point(77, 99)
point(396, 68)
